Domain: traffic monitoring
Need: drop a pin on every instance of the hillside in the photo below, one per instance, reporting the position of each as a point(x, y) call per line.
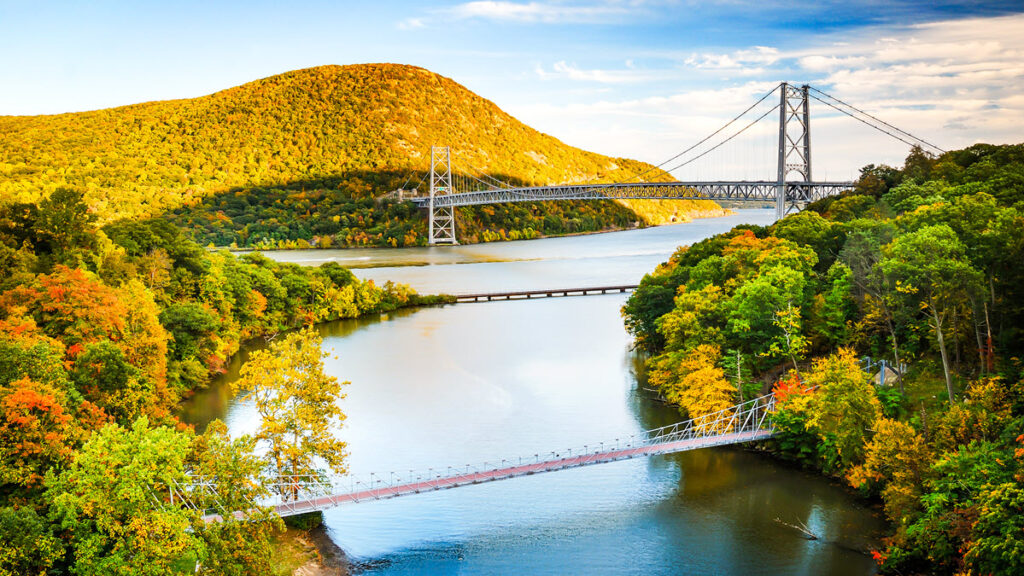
point(919, 267)
point(260, 161)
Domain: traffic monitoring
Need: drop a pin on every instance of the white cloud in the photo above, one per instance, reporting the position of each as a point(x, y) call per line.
point(545, 12)
point(953, 83)
point(561, 69)
point(737, 60)
point(411, 24)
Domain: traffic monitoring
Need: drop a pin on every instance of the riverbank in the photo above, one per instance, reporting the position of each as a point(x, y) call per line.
point(314, 244)
point(460, 382)
point(308, 552)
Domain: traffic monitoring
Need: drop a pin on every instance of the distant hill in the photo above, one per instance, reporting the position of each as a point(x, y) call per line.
point(301, 155)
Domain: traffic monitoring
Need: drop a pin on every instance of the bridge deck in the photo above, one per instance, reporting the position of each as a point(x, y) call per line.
point(759, 191)
point(528, 294)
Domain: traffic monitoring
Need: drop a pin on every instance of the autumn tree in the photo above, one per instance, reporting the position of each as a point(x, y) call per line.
point(705, 389)
point(895, 462)
point(108, 499)
point(234, 474)
point(696, 319)
point(845, 407)
point(930, 263)
point(297, 403)
point(693, 380)
point(37, 433)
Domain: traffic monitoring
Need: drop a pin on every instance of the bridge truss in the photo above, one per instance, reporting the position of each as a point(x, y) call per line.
point(797, 193)
point(749, 421)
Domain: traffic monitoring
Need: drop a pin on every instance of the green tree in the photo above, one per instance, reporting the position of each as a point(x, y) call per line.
point(29, 545)
point(839, 307)
point(108, 501)
point(931, 265)
point(233, 546)
point(65, 227)
point(755, 307)
point(845, 407)
point(874, 290)
point(997, 545)
point(104, 376)
point(191, 325)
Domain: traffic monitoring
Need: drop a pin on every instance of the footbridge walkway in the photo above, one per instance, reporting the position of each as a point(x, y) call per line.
point(291, 495)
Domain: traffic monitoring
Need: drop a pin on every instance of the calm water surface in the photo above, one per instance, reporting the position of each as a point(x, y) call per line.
point(463, 384)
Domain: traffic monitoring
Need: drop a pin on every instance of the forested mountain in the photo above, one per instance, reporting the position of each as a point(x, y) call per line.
point(302, 155)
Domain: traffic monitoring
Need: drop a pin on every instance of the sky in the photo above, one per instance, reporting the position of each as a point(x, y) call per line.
point(635, 78)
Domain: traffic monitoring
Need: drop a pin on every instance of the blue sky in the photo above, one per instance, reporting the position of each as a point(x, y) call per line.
point(638, 78)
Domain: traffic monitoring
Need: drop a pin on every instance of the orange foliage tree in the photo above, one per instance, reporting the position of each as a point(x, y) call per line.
point(36, 432)
point(77, 309)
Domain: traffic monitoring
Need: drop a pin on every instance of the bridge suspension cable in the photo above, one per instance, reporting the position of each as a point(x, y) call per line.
point(497, 183)
point(500, 184)
point(712, 135)
point(716, 146)
point(874, 122)
point(449, 190)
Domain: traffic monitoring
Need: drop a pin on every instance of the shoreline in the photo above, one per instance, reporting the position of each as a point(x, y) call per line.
point(701, 215)
point(333, 559)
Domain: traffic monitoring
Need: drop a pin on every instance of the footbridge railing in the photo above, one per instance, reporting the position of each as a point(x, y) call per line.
point(292, 495)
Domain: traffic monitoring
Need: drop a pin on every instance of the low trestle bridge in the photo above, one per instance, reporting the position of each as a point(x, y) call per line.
point(548, 293)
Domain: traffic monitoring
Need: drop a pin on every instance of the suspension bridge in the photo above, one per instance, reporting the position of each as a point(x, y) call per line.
point(791, 187)
point(749, 421)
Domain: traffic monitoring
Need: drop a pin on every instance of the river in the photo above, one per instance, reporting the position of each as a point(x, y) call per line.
point(461, 384)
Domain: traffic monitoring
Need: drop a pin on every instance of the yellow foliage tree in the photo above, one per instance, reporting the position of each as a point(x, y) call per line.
point(896, 459)
point(845, 407)
point(706, 391)
point(297, 402)
point(693, 381)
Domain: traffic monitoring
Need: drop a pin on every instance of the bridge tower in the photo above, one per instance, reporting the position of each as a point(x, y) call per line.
point(794, 149)
point(442, 218)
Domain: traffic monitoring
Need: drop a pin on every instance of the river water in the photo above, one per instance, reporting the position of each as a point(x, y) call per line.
point(468, 383)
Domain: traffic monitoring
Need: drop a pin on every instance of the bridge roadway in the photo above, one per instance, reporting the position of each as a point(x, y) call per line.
point(528, 294)
point(757, 191)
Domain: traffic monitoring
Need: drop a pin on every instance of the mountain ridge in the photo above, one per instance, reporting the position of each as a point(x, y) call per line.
point(358, 129)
